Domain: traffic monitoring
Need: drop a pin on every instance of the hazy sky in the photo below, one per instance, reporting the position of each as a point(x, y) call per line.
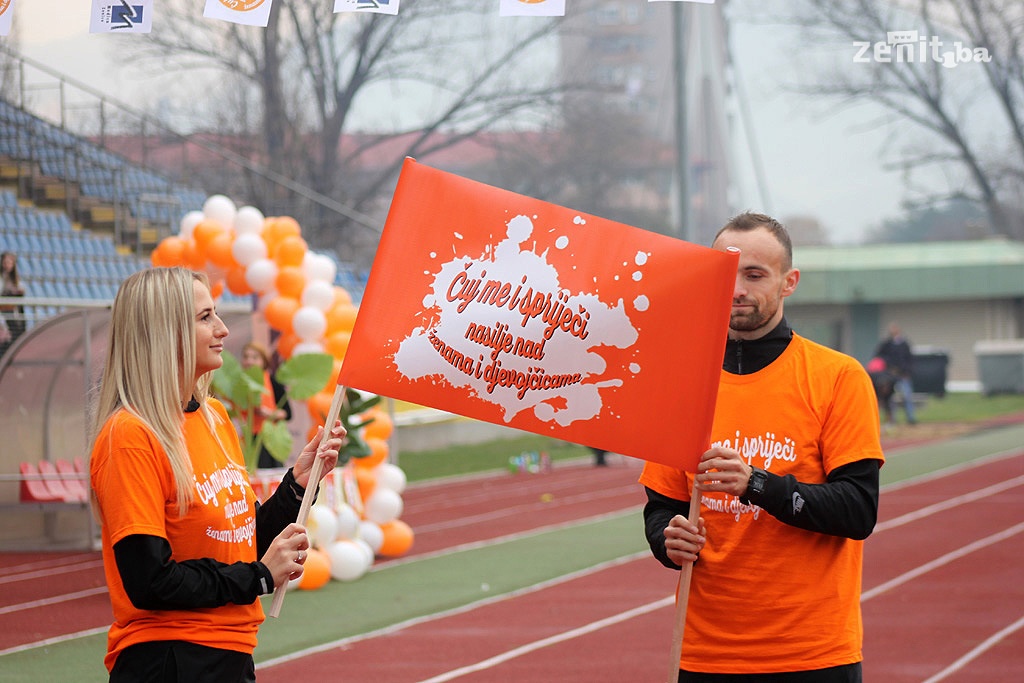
point(817, 161)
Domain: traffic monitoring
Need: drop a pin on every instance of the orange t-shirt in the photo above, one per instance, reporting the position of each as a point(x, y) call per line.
point(766, 596)
point(133, 482)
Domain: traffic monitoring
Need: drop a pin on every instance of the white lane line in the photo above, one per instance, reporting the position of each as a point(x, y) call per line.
point(55, 600)
point(462, 609)
point(942, 561)
point(54, 641)
point(981, 649)
point(52, 571)
point(963, 499)
point(553, 640)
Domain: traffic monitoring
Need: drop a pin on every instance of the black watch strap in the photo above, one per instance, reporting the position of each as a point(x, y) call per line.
point(755, 485)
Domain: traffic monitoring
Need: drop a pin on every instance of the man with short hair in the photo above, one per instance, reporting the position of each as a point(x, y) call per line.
point(788, 491)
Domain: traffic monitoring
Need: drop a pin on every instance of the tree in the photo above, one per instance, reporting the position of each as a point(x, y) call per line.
point(956, 90)
point(310, 71)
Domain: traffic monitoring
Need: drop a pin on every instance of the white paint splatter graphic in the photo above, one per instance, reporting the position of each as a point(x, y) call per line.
point(506, 329)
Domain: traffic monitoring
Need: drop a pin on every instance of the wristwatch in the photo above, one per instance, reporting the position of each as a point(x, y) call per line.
point(755, 485)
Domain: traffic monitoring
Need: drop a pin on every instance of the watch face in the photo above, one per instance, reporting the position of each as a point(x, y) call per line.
point(757, 481)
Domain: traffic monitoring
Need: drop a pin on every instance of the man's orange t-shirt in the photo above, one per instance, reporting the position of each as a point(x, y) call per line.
point(766, 596)
point(132, 477)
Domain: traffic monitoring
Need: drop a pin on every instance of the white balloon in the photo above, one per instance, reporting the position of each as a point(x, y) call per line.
point(248, 248)
point(307, 347)
point(322, 526)
point(348, 522)
point(249, 221)
point(365, 547)
point(391, 476)
point(319, 267)
point(261, 274)
point(188, 223)
point(309, 323)
point(294, 583)
point(371, 533)
point(318, 294)
point(348, 561)
point(221, 209)
point(383, 506)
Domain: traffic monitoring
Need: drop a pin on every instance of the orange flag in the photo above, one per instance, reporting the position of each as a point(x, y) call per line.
point(515, 311)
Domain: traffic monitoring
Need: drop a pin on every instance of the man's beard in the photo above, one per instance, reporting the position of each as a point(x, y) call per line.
point(751, 321)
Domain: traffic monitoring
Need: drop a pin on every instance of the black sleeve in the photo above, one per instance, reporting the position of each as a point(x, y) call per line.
point(846, 505)
point(154, 581)
point(280, 510)
point(280, 399)
point(658, 511)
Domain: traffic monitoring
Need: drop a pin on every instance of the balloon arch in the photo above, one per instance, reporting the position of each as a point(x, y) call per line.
point(246, 253)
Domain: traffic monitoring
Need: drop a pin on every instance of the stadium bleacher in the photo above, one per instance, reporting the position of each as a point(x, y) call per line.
point(64, 257)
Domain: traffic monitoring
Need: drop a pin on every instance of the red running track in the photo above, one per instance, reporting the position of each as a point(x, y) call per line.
point(943, 600)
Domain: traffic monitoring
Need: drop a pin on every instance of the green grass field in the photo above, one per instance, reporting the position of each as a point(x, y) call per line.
point(494, 455)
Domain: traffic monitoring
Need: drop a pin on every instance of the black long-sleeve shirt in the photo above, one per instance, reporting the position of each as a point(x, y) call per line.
point(154, 581)
point(845, 505)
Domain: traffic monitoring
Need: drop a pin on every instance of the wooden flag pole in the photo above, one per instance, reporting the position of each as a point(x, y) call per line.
point(311, 486)
point(683, 594)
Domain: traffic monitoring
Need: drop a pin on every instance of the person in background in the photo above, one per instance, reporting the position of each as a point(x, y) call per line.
point(274, 404)
point(14, 316)
point(884, 384)
point(788, 491)
point(187, 549)
point(899, 361)
point(600, 454)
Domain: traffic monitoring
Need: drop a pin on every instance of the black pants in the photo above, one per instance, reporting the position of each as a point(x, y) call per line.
point(177, 661)
point(848, 673)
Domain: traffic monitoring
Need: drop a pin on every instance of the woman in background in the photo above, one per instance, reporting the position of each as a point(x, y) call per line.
point(14, 316)
point(274, 404)
point(187, 550)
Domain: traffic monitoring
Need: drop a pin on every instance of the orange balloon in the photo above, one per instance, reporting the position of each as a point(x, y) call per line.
point(286, 225)
point(398, 538)
point(216, 289)
point(193, 257)
point(378, 453)
point(341, 318)
point(337, 344)
point(170, 252)
point(316, 570)
point(218, 250)
point(286, 344)
point(366, 480)
point(319, 405)
point(341, 296)
point(382, 425)
point(205, 231)
point(290, 251)
point(332, 381)
point(290, 281)
point(236, 282)
point(279, 313)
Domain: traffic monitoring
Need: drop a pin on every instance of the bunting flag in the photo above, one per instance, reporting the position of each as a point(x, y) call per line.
point(121, 16)
point(372, 6)
point(248, 12)
point(532, 8)
point(515, 311)
point(5, 16)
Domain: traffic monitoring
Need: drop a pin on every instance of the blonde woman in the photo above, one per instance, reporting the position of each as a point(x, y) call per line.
point(187, 550)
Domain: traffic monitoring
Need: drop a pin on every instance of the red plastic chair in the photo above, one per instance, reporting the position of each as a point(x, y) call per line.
point(72, 480)
point(54, 483)
point(33, 488)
